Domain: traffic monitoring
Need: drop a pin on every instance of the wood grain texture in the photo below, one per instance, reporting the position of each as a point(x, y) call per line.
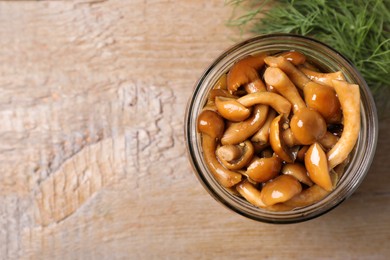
point(92, 153)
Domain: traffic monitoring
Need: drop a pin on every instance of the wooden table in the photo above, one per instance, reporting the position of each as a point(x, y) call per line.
point(92, 156)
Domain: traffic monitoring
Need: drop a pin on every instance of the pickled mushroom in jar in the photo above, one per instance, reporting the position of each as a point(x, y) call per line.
point(277, 128)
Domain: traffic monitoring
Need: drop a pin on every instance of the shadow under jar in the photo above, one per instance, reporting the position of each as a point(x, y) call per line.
point(323, 57)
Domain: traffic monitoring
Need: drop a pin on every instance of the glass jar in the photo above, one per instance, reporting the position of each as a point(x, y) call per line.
point(329, 60)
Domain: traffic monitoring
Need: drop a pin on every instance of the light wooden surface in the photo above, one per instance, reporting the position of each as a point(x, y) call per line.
point(92, 155)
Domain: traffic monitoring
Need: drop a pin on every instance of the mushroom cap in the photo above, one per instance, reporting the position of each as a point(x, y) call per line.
point(316, 164)
point(244, 71)
point(298, 171)
point(232, 110)
point(211, 124)
point(324, 100)
point(307, 126)
point(264, 169)
point(280, 189)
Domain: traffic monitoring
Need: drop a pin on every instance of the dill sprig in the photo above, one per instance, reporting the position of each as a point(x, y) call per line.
point(359, 29)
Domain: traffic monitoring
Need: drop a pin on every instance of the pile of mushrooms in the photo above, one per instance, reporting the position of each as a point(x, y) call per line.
point(278, 131)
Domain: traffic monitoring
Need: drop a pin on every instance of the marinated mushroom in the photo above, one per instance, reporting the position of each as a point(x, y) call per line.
point(307, 126)
point(210, 105)
point(262, 136)
point(224, 176)
point(221, 82)
point(259, 148)
point(349, 96)
point(267, 153)
point(316, 164)
point(324, 100)
point(264, 169)
point(322, 78)
point(295, 75)
point(295, 57)
point(211, 125)
point(277, 102)
point(279, 80)
point(235, 157)
point(298, 171)
point(244, 71)
point(301, 153)
point(255, 86)
point(277, 142)
point(311, 195)
point(307, 197)
point(240, 131)
point(219, 93)
point(327, 141)
point(289, 138)
point(232, 110)
point(250, 193)
point(280, 189)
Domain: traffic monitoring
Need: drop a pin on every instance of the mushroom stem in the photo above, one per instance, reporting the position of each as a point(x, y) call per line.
point(236, 157)
point(250, 193)
point(211, 124)
point(277, 102)
point(329, 140)
point(277, 142)
point(221, 82)
point(323, 99)
point(301, 153)
point(232, 110)
point(225, 177)
point(255, 86)
point(229, 152)
point(279, 80)
point(289, 139)
point(322, 78)
point(298, 171)
point(349, 97)
point(240, 131)
point(280, 189)
point(262, 136)
point(296, 76)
